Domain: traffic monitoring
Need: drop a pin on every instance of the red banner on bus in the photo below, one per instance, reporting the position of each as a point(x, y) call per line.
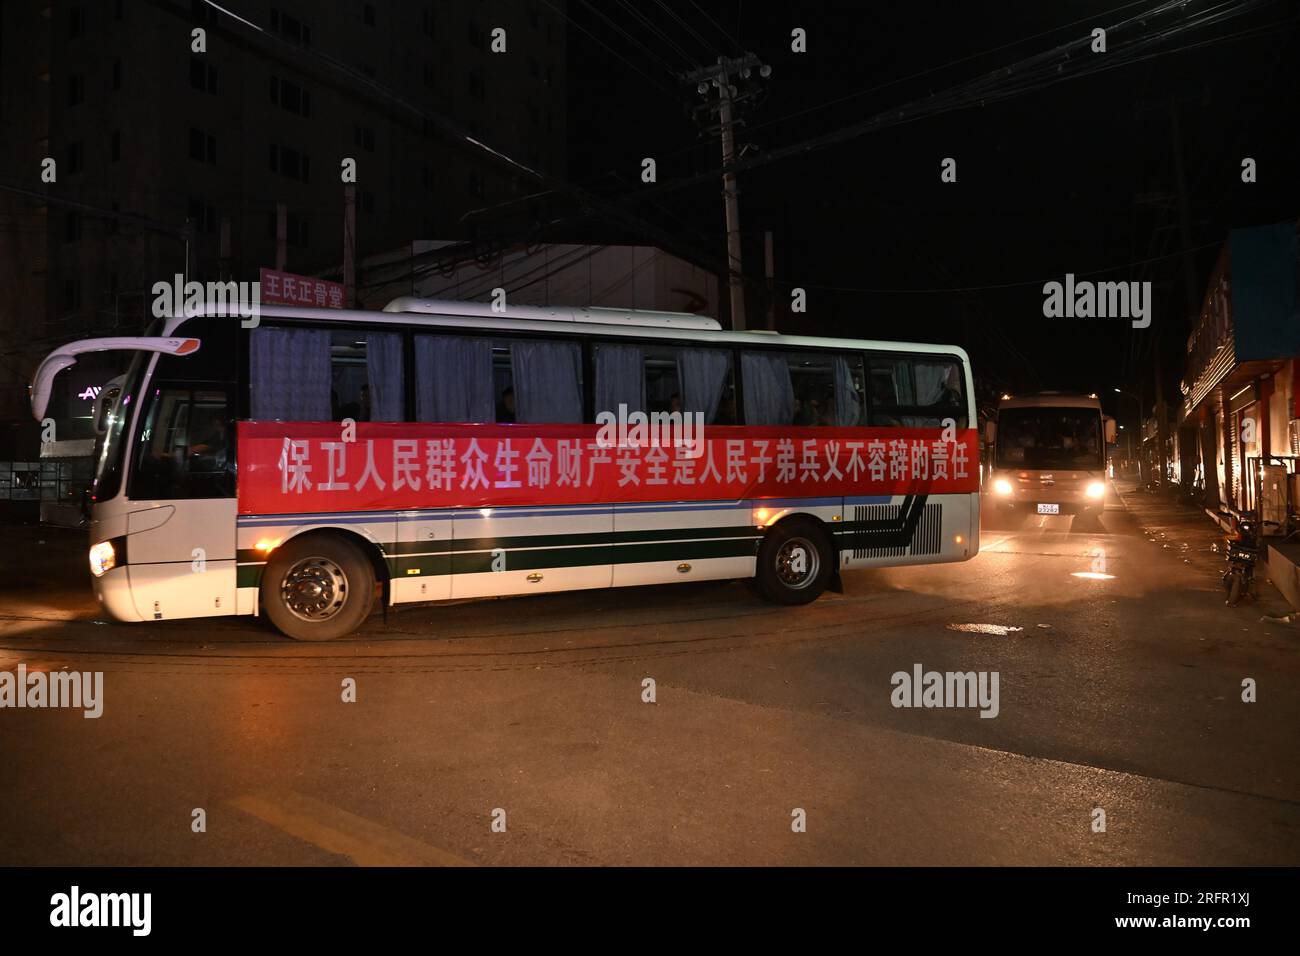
point(298, 467)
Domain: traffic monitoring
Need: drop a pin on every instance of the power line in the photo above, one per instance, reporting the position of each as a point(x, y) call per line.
point(454, 132)
point(690, 30)
point(991, 87)
point(650, 25)
point(667, 67)
point(733, 41)
point(628, 63)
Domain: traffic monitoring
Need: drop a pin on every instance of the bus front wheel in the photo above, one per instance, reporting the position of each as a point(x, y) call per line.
point(795, 562)
point(318, 588)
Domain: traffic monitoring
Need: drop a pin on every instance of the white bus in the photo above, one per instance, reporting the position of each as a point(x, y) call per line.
point(1049, 454)
point(327, 458)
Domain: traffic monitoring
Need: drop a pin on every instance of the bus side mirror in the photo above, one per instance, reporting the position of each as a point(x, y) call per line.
point(990, 432)
point(105, 402)
point(1110, 431)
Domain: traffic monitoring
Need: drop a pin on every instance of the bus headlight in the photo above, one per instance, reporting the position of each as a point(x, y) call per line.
point(1002, 487)
point(103, 558)
point(1096, 490)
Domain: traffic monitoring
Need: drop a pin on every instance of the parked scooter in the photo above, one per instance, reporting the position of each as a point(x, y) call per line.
point(1242, 555)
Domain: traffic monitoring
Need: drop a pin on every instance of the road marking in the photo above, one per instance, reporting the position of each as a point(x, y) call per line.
point(365, 842)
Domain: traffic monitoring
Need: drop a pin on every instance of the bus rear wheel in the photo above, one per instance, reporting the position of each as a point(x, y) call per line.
point(318, 588)
point(795, 562)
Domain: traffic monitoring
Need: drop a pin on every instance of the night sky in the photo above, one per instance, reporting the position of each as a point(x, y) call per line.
point(1077, 177)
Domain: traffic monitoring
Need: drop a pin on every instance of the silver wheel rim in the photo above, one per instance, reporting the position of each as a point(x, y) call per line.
point(314, 589)
point(797, 563)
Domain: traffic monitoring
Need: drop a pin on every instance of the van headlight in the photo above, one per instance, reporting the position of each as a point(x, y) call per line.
point(1002, 487)
point(103, 558)
point(1096, 490)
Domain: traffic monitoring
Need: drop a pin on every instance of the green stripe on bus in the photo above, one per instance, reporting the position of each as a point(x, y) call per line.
point(539, 552)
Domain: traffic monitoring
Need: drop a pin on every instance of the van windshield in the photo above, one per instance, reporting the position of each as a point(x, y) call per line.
point(1049, 438)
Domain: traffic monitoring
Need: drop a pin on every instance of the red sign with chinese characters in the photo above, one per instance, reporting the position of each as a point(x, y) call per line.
point(285, 288)
point(296, 467)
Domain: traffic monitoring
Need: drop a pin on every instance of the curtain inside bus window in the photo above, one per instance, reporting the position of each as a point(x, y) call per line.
point(384, 373)
point(938, 383)
point(290, 372)
point(848, 400)
point(620, 378)
point(769, 393)
point(547, 381)
point(453, 379)
point(703, 374)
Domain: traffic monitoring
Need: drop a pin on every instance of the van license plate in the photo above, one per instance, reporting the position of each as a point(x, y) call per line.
point(1049, 509)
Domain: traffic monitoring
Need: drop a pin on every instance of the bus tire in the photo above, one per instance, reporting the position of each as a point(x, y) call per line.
point(318, 588)
point(795, 562)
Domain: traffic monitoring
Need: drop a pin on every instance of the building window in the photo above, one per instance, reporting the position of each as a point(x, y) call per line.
point(476, 185)
point(426, 22)
point(76, 156)
point(119, 9)
point(290, 28)
point(476, 87)
point(367, 201)
point(117, 74)
point(115, 145)
point(428, 75)
point(368, 14)
point(113, 223)
point(72, 227)
point(363, 137)
point(290, 96)
point(76, 22)
point(203, 146)
point(76, 89)
point(203, 76)
point(426, 175)
point(290, 163)
point(203, 215)
point(477, 38)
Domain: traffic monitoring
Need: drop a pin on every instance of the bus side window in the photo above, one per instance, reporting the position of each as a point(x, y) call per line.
point(366, 376)
point(916, 391)
point(545, 382)
point(665, 379)
point(187, 446)
point(802, 388)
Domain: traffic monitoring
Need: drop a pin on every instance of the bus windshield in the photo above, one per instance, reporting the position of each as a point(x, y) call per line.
point(1049, 438)
point(108, 464)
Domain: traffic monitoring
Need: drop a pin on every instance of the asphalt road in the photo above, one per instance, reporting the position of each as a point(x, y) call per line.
point(1119, 690)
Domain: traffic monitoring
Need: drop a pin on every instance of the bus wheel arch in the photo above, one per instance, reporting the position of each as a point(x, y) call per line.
point(320, 585)
point(797, 560)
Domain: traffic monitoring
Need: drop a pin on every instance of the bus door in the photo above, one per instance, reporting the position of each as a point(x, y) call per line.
point(181, 517)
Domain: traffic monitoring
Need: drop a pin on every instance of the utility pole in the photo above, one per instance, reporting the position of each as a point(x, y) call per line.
point(719, 77)
point(349, 245)
point(769, 268)
point(281, 236)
